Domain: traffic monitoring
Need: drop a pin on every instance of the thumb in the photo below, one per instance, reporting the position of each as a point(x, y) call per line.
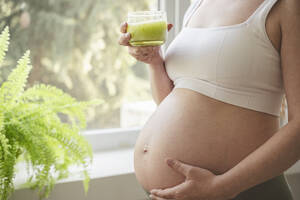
point(170, 26)
point(179, 166)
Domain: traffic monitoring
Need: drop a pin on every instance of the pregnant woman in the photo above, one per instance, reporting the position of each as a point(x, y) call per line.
point(215, 134)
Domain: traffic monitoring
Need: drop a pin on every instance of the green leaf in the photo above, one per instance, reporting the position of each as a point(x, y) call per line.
point(4, 41)
point(58, 101)
point(4, 143)
point(1, 121)
point(13, 88)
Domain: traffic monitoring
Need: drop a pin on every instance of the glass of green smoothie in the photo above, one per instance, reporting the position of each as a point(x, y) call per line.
point(147, 28)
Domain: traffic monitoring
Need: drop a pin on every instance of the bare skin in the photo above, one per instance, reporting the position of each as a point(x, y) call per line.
point(194, 128)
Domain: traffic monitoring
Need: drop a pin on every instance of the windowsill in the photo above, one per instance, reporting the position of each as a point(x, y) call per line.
point(112, 177)
point(105, 164)
point(112, 139)
point(109, 163)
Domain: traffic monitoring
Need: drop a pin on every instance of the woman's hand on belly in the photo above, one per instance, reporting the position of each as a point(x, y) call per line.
point(199, 184)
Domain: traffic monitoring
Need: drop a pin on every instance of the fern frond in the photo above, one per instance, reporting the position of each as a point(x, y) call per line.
point(59, 101)
point(4, 41)
point(37, 133)
point(4, 143)
point(7, 172)
point(13, 88)
point(41, 154)
point(1, 120)
point(47, 93)
point(31, 124)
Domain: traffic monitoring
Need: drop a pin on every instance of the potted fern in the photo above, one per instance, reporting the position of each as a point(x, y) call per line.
point(32, 130)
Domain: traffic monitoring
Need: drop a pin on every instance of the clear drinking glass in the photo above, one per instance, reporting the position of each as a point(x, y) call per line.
point(147, 28)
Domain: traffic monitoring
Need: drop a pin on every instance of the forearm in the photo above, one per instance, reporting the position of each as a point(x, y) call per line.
point(272, 158)
point(161, 84)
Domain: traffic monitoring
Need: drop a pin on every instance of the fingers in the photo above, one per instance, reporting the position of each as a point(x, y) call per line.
point(179, 166)
point(153, 197)
point(134, 51)
point(123, 27)
point(124, 39)
point(167, 193)
point(176, 192)
point(170, 26)
point(141, 51)
point(144, 53)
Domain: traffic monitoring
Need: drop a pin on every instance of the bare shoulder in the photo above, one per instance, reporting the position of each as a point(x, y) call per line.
point(289, 14)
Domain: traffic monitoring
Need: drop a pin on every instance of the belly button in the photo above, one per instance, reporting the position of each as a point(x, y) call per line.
point(145, 148)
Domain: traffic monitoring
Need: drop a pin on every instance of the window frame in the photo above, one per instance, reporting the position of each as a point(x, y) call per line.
point(175, 12)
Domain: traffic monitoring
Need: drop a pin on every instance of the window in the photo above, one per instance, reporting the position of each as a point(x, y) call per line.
point(175, 11)
point(74, 47)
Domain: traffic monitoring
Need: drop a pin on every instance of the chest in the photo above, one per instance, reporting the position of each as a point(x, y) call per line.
point(214, 13)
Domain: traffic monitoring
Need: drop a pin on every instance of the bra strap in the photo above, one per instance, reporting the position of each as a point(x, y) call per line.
point(258, 20)
point(192, 8)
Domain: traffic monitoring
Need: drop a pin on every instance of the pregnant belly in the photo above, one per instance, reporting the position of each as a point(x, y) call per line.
point(200, 131)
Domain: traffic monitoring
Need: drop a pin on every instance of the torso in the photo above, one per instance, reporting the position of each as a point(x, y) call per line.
point(197, 129)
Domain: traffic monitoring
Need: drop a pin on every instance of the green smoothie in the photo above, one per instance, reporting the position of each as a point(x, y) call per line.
point(151, 33)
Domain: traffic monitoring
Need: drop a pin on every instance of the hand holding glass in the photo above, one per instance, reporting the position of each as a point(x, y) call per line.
point(147, 28)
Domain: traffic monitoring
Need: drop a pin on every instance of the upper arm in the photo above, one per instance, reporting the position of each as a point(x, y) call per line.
point(290, 55)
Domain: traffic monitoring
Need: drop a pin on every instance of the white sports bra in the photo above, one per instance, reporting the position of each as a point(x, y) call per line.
point(236, 64)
